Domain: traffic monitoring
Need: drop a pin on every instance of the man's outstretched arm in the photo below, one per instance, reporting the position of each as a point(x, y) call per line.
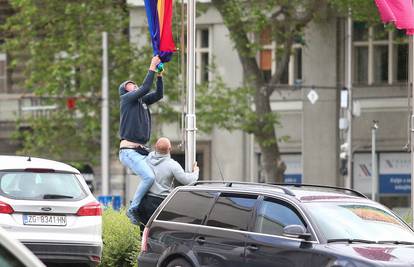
point(183, 177)
point(153, 97)
point(147, 83)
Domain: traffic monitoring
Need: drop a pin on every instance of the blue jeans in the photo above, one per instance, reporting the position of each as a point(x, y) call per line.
point(137, 164)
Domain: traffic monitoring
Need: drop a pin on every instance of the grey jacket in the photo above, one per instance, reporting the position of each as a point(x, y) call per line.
point(166, 170)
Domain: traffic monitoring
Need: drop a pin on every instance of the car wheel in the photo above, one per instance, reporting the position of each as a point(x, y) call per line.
point(180, 262)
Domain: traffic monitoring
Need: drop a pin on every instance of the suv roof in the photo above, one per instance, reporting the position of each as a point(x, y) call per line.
point(301, 192)
point(22, 163)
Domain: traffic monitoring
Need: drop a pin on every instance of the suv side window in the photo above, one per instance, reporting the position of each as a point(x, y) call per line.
point(187, 207)
point(232, 211)
point(273, 215)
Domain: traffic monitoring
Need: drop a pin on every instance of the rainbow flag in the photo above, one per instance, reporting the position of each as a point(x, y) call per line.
point(159, 15)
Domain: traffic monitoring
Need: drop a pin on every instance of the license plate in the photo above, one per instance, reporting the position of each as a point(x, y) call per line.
point(44, 220)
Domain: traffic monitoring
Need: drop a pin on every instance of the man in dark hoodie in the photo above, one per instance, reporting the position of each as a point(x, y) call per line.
point(135, 130)
point(167, 171)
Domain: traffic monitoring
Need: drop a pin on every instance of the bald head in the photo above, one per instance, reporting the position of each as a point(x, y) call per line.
point(163, 145)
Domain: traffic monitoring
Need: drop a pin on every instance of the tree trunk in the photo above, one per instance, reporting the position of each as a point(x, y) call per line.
point(265, 134)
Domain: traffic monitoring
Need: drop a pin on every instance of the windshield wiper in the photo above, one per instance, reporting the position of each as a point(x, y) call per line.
point(55, 196)
point(350, 240)
point(397, 242)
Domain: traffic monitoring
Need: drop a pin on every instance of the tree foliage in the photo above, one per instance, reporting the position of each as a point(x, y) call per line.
point(360, 10)
point(284, 23)
point(58, 44)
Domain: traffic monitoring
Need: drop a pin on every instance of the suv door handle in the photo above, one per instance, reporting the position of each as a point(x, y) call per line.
point(200, 240)
point(252, 248)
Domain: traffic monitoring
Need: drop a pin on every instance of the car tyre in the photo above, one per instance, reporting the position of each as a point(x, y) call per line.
point(180, 262)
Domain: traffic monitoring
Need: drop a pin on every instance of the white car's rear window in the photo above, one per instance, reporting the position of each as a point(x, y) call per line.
point(40, 186)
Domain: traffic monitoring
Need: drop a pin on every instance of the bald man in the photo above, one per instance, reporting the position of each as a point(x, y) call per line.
point(166, 171)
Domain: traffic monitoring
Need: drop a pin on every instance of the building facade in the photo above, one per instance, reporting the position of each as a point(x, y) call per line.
point(316, 71)
point(309, 107)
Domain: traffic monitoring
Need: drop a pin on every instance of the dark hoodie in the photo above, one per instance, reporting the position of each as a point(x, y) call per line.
point(135, 117)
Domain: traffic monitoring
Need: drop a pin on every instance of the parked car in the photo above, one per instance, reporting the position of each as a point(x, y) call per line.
point(247, 224)
point(15, 254)
point(48, 206)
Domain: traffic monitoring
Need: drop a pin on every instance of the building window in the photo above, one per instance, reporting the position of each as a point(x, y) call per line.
point(203, 54)
point(380, 56)
point(267, 62)
point(293, 172)
point(3, 72)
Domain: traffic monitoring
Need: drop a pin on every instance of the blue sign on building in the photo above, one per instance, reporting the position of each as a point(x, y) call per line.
point(293, 173)
point(395, 183)
point(292, 178)
point(395, 173)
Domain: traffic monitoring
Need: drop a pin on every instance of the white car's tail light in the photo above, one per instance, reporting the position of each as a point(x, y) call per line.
point(91, 209)
point(5, 208)
point(144, 239)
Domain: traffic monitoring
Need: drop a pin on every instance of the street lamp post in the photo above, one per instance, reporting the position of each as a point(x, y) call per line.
point(348, 178)
point(374, 172)
point(105, 117)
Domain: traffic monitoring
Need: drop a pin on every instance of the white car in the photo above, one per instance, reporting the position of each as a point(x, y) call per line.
point(48, 206)
point(13, 253)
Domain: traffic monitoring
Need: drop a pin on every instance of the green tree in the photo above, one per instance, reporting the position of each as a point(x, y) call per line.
point(248, 108)
point(59, 46)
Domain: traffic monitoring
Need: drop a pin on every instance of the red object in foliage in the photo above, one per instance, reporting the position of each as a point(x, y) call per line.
point(71, 103)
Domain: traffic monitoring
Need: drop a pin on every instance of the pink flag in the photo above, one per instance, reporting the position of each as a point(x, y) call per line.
point(401, 12)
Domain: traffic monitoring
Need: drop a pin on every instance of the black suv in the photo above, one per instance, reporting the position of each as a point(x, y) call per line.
point(246, 224)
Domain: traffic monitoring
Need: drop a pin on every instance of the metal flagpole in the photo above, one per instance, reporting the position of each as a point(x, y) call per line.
point(411, 124)
point(190, 118)
point(374, 167)
point(105, 117)
point(348, 82)
point(410, 80)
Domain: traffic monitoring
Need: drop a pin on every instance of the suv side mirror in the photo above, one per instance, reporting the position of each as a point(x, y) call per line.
point(296, 231)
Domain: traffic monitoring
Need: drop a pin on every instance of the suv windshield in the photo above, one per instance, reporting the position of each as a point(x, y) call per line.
point(39, 186)
point(339, 221)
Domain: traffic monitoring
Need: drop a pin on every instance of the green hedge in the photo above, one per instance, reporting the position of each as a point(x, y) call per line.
point(121, 240)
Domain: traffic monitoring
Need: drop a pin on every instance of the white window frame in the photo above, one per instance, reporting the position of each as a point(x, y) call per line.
point(291, 67)
point(370, 43)
point(3, 78)
point(292, 62)
point(202, 50)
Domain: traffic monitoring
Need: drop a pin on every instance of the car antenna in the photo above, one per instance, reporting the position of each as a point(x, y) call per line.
point(218, 165)
point(29, 159)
